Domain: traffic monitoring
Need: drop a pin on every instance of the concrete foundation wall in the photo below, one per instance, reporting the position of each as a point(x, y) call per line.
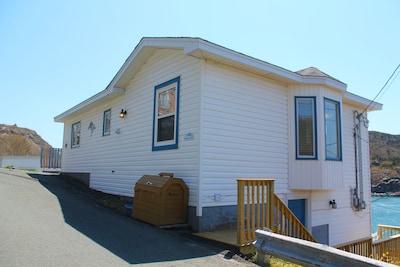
point(80, 176)
point(214, 218)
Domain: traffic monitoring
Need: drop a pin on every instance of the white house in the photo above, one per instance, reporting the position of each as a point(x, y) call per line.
point(211, 115)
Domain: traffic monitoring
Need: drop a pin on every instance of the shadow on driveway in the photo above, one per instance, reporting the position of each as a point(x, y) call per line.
point(131, 240)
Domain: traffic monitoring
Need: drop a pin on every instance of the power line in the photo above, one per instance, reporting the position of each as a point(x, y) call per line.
point(398, 66)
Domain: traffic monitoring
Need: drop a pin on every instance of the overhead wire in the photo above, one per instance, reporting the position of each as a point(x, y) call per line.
point(384, 86)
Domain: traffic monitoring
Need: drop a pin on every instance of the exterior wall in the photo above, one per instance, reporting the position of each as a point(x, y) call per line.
point(21, 162)
point(243, 134)
point(117, 161)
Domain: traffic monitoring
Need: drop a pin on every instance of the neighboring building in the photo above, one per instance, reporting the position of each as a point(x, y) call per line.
point(20, 162)
point(212, 115)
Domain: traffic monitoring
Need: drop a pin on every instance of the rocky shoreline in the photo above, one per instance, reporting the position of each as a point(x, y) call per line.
point(387, 187)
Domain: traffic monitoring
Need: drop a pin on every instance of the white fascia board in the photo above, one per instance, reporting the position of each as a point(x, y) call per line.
point(289, 76)
point(90, 101)
point(361, 101)
point(243, 59)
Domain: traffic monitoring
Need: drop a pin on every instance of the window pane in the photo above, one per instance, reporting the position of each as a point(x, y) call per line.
point(166, 129)
point(76, 132)
point(166, 102)
point(305, 127)
point(107, 122)
point(332, 130)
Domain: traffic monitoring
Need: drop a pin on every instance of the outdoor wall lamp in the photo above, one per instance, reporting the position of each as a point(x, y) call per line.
point(333, 204)
point(122, 113)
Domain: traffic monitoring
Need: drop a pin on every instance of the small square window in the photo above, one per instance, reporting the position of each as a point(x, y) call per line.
point(107, 122)
point(166, 112)
point(76, 134)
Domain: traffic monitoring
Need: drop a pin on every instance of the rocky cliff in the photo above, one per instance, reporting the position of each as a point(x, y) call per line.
point(20, 141)
point(385, 162)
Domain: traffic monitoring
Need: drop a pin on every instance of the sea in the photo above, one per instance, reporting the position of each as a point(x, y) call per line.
point(385, 210)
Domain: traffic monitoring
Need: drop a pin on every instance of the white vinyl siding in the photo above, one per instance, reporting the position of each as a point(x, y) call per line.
point(244, 125)
point(124, 157)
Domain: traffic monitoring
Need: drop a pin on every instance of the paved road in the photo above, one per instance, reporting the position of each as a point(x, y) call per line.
point(46, 221)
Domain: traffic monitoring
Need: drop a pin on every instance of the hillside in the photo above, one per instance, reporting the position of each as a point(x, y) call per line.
point(385, 162)
point(19, 141)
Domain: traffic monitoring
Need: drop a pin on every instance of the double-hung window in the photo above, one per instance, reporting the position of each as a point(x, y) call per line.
point(306, 134)
point(166, 112)
point(333, 147)
point(76, 134)
point(107, 122)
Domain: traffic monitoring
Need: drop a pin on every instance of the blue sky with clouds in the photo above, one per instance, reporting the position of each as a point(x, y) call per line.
point(55, 54)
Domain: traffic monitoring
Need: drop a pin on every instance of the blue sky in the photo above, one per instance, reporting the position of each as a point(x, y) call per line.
point(55, 54)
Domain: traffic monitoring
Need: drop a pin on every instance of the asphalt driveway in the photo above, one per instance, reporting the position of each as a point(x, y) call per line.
point(47, 221)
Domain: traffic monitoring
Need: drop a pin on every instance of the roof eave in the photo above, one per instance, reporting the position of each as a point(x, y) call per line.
point(362, 102)
point(109, 92)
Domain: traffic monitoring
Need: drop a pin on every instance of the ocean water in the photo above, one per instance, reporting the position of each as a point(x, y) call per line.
point(385, 210)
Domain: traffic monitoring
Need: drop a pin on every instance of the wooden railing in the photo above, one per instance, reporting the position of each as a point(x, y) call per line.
point(386, 231)
point(360, 247)
point(255, 208)
point(260, 208)
point(386, 248)
point(286, 223)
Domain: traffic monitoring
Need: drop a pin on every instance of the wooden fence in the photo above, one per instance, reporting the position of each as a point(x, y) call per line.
point(50, 158)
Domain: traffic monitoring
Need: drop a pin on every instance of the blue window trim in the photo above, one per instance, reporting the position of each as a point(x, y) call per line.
point(299, 157)
point(104, 122)
point(156, 147)
point(72, 134)
point(339, 129)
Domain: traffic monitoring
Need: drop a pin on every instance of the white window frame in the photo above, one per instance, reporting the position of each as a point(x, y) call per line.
point(166, 89)
point(299, 154)
point(76, 134)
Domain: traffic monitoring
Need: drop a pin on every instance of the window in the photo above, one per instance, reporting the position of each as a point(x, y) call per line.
point(107, 122)
point(166, 111)
point(306, 134)
point(76, 134)
point(332, 130)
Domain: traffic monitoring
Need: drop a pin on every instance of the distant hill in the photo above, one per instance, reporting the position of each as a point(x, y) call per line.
point(16, 140)
point(385, 162)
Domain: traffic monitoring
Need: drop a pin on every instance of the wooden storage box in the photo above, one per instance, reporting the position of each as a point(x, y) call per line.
point(160, 200)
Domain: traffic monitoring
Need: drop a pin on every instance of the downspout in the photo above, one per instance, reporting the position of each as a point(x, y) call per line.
point(354, 192)
point(199, 206)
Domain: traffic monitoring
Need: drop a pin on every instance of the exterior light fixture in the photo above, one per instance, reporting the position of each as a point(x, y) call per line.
point(122, 113)
point(333, 204)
